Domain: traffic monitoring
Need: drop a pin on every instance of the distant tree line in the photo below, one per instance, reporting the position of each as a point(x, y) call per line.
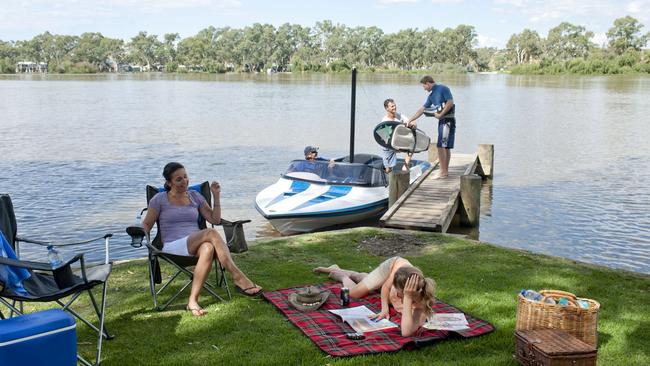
point(329, 47)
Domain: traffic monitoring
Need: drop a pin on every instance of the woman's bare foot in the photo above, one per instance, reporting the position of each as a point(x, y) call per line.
point(247, 287)
point(195, 309)
point(329, 269)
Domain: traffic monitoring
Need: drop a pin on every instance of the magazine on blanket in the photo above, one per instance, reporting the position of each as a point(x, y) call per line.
point(357, 318)
point(447, 321)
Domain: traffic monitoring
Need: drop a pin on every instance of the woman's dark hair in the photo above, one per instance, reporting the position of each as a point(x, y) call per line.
point(168, 170)
point(389, 100)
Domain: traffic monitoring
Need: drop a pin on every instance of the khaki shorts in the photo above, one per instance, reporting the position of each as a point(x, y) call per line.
point(379, 275)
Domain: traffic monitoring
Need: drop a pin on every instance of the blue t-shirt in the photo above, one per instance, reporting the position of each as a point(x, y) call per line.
point(439, 94)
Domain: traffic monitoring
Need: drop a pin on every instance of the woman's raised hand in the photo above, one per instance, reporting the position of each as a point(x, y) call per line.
point(215, 188)
point(411, 286)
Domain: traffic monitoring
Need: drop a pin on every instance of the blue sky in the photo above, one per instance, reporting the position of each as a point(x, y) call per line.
point(494, 20)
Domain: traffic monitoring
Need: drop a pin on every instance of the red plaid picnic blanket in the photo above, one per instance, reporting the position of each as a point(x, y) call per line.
point(328, 330)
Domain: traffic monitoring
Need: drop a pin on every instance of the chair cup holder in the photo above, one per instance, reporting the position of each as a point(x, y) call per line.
point(137, 235)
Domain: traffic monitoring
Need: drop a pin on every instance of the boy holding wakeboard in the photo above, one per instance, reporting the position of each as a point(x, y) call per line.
point(439, 104)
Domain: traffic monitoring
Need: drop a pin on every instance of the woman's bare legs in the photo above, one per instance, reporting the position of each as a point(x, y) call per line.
point(212, 237)
point(205, 253)
point(349, 279)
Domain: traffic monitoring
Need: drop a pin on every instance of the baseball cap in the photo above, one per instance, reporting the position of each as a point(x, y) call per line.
point(310, 149)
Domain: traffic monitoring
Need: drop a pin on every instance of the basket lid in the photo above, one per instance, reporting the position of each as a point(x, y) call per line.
point(554, 342)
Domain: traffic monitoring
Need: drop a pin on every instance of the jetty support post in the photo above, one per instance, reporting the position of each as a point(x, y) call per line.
point(398, 183)
point(470, 196)
point(433, 153)
point(486, 160)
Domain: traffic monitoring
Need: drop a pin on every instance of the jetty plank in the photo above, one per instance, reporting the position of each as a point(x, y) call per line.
point(430, 204)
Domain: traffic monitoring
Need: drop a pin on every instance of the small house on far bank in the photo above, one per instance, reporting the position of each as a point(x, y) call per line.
point(29, 67)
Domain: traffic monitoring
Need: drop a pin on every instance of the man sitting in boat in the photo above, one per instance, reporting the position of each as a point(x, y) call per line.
point(311, 154)
point(309, 164)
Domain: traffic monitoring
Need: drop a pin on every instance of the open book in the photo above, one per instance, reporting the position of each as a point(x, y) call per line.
point(447, 321)
point(357, 318)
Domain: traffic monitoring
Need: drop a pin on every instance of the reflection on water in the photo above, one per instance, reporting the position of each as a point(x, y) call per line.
point(571, 153)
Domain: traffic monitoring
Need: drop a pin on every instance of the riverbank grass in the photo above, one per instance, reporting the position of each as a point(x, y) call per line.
point(481, 279)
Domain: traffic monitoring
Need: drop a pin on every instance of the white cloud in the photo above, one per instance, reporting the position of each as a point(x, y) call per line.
point(600, 39)
point(447, 1)
point(485, 41)
point(515, 3)
point(638, 6)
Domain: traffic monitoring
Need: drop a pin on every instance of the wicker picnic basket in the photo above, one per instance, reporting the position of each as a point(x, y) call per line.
point(580, 323)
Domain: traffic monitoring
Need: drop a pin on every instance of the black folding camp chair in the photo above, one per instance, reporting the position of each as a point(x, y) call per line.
point(235, 239)
point(47, 284)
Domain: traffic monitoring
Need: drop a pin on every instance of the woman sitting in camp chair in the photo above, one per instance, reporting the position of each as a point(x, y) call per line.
point(177, 211)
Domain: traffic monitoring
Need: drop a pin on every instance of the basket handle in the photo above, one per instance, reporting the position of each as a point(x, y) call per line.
point(572, 298)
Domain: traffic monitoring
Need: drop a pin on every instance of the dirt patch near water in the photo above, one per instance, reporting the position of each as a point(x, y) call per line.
point(386, 245)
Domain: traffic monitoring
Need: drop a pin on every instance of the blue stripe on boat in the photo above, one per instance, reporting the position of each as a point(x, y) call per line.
point(332, 193)
point(297, 186)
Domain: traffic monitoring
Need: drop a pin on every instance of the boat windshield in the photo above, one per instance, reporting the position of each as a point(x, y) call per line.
point(336, 173)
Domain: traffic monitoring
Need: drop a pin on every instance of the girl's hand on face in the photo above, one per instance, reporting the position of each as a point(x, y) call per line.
point(411, 286)
point(215, 187)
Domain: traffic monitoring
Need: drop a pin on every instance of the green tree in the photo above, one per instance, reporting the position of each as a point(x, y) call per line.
point(525, 46)
point(626, 34)
point(567, 41)
point(168, 51)
point(143, 49)
point(8, 56)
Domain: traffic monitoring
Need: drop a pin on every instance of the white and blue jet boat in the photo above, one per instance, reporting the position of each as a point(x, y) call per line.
point(312, 195)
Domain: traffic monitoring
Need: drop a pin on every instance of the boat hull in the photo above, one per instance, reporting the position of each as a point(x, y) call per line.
point(293, 224)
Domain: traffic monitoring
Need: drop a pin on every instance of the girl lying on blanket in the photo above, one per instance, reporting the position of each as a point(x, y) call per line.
point(402, 285)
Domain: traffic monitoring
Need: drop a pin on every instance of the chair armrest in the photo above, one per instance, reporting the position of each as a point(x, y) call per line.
point(105, 237)
point(40, 266)
point(31, 241)
point(46, 243)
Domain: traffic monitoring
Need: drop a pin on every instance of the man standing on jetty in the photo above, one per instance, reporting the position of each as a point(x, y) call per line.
point(439, 104)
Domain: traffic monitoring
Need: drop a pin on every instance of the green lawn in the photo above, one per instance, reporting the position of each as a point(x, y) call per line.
point(479, 278)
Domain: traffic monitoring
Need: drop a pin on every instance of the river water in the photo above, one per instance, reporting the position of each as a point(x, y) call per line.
point(572, 158)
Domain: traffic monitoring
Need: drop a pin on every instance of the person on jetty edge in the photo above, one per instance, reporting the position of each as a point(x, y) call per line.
point(177, 210)
point(439, 104)
point(390, 156)
point(402, 285)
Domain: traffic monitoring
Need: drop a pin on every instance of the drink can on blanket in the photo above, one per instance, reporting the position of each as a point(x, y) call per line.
point(345, 296)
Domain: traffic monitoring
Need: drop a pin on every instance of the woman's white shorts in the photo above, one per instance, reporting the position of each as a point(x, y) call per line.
point(178, 247)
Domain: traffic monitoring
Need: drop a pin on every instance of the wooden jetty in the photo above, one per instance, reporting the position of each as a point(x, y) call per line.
point(430, 204)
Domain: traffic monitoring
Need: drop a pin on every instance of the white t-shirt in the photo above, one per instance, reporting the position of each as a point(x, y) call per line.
point(398, 118)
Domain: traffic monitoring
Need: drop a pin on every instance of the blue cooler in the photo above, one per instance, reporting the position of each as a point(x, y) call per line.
point(43, 338)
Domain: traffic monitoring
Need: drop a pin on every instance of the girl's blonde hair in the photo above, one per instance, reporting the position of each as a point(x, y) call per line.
point(426, 287)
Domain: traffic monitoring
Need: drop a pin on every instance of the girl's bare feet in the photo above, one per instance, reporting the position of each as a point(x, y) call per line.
point(329, 269)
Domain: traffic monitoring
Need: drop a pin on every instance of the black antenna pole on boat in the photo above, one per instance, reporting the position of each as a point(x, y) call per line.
point(352, 105)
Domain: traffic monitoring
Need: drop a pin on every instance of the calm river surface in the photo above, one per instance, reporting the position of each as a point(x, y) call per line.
point(572, 158)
